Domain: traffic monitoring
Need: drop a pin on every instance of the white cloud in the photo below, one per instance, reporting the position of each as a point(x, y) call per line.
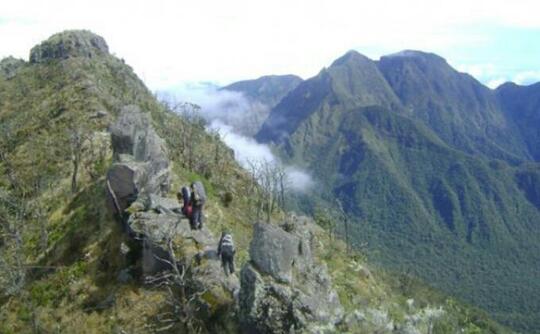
point(227, 113)
point(299, 180)
point(248, 153)
point(171, 41)
point(479, 71)
point(494, 83)
point(526, 77)
point(246, 150)
point(243, 115)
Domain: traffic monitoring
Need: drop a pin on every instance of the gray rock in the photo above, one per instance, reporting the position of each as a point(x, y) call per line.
point(142, 164)
point(273, 251)
point(125, 180)
point(164, 205)
point(133, 135)
point(265, 308)
point(304, 302)
point(69, 44)
point(157, 228)
point(154, 258)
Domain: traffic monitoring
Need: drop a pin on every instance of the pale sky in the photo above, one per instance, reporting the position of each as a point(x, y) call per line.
point(170, 43)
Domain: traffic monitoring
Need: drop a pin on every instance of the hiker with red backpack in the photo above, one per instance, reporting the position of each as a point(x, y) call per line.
point(183, 197)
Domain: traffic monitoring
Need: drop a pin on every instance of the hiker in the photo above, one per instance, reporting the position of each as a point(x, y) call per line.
point(183, 196)
point(197, 200)
point(226, 251)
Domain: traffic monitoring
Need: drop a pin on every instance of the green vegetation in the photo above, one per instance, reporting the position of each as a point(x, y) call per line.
point(62, 268)
point(430, 171)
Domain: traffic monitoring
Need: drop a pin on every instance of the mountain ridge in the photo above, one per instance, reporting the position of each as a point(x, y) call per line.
point(469, 193)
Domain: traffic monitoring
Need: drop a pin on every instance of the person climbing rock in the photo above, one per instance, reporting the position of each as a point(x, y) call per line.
point(226, 251)
point(197, 201)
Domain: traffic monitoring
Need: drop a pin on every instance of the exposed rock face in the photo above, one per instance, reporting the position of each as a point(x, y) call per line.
point(142, 164)
point(273, 251)
point(68, 44)
point(282, 289)
point(125, 180)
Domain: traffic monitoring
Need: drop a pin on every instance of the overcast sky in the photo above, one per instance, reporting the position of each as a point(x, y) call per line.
point(169, 43)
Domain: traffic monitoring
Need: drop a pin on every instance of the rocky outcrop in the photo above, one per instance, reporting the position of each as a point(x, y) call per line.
point(142, 165)
point(283, 289)
point(69, 44)
point(273, 251)
point(138, 182)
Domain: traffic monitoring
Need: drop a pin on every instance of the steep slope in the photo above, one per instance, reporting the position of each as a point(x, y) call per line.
point(522, 105)
point(351, 81)
point(409, 150)
point(461, 111)
point(441, 208)
point(68, 263)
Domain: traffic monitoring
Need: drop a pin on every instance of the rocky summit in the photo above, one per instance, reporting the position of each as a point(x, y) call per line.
point(73, 43)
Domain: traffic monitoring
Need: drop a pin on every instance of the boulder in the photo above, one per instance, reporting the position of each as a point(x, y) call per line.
point(157, 228)
point(164, 205)
point(265, 307)
point(273, 251)
point(133, 137)
point(133, 134)
point(125, 181)
point(69, 44)
point(282, 289)
point(141, 167)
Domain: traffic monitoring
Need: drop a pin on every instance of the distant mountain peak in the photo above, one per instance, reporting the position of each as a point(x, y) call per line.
point(69, 44)
point(351, 56)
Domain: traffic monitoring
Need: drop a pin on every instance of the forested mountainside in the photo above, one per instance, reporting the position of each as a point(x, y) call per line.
point(91, 241)
point(438, 173)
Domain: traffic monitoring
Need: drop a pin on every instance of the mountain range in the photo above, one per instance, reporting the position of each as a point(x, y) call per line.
point(438, 174)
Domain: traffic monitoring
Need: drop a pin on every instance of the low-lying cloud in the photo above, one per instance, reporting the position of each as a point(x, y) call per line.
point(237, 118)
point(246, 149)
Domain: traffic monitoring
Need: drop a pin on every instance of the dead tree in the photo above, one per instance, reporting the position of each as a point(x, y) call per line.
point(345, 218)
point(269, 186)
point(77, 138)
point(181, 303)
